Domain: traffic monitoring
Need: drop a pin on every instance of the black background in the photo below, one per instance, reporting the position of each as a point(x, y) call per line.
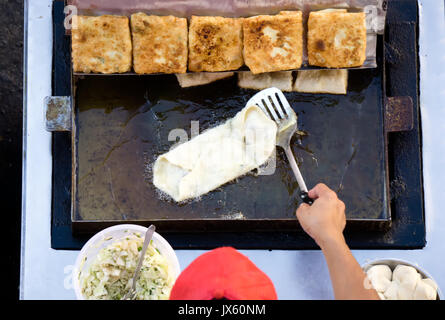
point(11, 81)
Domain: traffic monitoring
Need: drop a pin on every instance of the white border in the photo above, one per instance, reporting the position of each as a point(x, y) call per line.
point(296, 274)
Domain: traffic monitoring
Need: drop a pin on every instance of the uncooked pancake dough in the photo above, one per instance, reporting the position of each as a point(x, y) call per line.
point(280, 79)
point(404, 283)
point(333, 81)
point(380, 277)
point(186, 80)
point(216, 156)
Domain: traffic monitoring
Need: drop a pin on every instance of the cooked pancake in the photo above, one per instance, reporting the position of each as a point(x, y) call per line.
point(332, 10)
point(159, 43)
point(322, 81)
point(273, 43)
point(215, 44)
point(290, 12)
point(280, 79)
point(101, 44)
point(201, 78)
point(336, 39)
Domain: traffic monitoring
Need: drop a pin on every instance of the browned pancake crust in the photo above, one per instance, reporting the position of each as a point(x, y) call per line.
point(159, 43)
point(215, 44)
point(101, 44)
point(336, 39)
point(273, 43)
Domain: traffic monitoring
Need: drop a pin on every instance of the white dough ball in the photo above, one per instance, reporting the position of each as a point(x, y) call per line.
point(379, 283)
point(407, 278)
point(406, 290)
point(392, 292)
point(431, 283)
point(406, 284)
point(425, 291)
point(405, 274)
point(380, 277)
point(381, 269)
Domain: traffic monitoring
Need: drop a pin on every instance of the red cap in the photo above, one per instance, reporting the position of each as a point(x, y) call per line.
point(223, 273)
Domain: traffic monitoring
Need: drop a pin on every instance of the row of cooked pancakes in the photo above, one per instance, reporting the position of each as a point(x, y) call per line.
point(265, 43)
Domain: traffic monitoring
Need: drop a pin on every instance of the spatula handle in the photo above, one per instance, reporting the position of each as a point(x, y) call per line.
point(305, 197)
point(293, 164)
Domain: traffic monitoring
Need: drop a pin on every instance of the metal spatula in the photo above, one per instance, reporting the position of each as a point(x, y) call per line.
point(132, 282)
point(275, 105)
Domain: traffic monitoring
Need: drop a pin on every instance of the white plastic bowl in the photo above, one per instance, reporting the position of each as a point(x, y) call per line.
point(114, 234)
point(392, 263)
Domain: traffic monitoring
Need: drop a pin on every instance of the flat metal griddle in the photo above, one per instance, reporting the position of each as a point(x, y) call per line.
point(343, 161)
point(123, 125)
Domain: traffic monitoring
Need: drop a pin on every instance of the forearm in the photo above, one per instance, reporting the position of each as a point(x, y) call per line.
point(348, 279)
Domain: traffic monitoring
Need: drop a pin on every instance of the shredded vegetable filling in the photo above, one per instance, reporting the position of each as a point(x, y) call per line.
point(109, 275)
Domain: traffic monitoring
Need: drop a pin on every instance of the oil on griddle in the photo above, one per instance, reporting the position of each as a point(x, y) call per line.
point(123, 124)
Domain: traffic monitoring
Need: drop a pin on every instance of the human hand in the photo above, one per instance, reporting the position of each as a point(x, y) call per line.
point(325, 219)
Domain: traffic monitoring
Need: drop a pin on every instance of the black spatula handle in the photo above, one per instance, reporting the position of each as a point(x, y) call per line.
point(305, 197)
